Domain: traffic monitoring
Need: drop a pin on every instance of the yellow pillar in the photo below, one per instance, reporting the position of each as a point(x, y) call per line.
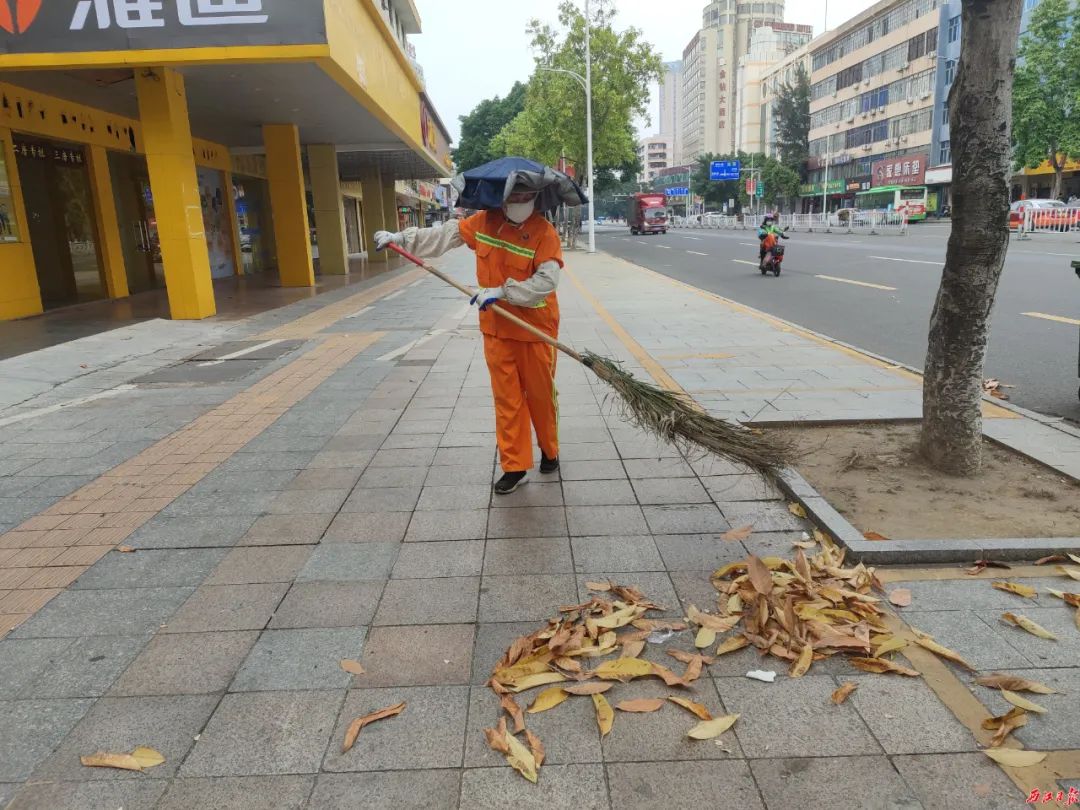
point(108, 224)
point(288, 202)
point(329, 213)
point(20, 295)
point(234, 223)
point(170, 160)
point(389, 201)
point(371, 189)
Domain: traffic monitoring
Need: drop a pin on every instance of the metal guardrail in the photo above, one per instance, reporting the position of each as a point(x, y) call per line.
point(1049, 220)
point(865, 222)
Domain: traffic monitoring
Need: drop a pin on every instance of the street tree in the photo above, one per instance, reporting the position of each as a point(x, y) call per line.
point(552, 123)
point(980, 105)
point(792, 113)
point(781, 184)
point(1046, 101)
point(485, 122)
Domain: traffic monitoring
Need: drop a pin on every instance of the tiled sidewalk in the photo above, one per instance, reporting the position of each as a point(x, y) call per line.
point(357, 522)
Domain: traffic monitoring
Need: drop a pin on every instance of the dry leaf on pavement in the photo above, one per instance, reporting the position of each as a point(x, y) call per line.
point(705, 637)
point(693, 669)
point(669, 677)
point(1074, 573)
point(623, 669)
point(1025, 591)
point(876, 536)
point(731, 644)
point(687, 657)
point(1022, 702)
point(944, 652)
point(742, 533)
point(1072, 599)
point(843, 692)
point(536, 747)
point(1053, 558)
point(125, 549)
point(352, 667)
point(138, 760)
point(760, 575)
point(707, 729)
point(1008, 723)
point(356, 725)
point(1014, 684)
point(802, 664)
point(590, 688)
point(994, 723)
point(548, 699)
point(496, 737)
point(1025, 623)
point(632, 649)
point(604, 715)
point(600, 587)
point(511, 707)
point(642, 705)
point(1015, 757)
point(890, 644)
point(521, 759)
point(881, 665)
point(694, 708)
point(797, 510)
point(901, 597)
point(532, 681)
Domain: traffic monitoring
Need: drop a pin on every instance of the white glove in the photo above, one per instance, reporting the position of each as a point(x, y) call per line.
point(486, 296)
point(384, 238)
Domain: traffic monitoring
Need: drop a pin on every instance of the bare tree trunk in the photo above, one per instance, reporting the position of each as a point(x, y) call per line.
point(981, 126)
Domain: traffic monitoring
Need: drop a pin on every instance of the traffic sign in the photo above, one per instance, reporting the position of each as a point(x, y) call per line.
point(760, 188)
point(677, 191)
point(725, 170)
point(749, 185)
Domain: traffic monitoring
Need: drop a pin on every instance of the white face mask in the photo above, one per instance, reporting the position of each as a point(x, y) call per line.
point(519, 212)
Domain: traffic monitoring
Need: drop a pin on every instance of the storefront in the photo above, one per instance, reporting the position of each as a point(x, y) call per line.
point(812, 195)
point(938, 190)
point(255, 228)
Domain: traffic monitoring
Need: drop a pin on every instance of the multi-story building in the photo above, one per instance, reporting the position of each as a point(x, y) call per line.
point(780, 74)
point(709, 65)
point(671, 105)
point(654, 154)
point(872, 101)
point(769, 46)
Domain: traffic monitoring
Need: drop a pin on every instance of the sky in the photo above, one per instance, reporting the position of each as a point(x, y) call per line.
point(475, 49)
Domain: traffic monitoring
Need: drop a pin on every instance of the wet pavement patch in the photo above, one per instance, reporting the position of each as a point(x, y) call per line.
point(225, 363)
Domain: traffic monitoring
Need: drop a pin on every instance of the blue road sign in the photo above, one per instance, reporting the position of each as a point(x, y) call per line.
point(725, 169)
point(677, 191)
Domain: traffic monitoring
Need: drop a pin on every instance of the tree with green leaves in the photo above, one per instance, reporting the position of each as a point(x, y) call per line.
point(781, 184)
point(1046, 99)
point(792, 111)
point(552, 123)
point(717, 193)
point(485, 122)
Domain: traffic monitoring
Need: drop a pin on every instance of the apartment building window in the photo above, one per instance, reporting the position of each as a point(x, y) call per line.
point(945, 113)
point(950, 72)
point(944, 153)
point(954, 28)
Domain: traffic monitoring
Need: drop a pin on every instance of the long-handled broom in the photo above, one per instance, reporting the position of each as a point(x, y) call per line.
point(670, 415)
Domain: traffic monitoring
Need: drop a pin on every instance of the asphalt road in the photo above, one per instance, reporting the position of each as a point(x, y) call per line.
point(880, 292)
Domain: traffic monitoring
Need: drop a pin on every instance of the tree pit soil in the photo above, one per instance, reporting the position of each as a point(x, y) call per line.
point(874, 477)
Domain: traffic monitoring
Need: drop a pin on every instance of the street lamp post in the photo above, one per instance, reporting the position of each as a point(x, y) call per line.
point(586, 84)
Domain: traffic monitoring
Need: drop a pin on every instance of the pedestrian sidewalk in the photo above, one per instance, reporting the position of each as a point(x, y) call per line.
point(185, 564)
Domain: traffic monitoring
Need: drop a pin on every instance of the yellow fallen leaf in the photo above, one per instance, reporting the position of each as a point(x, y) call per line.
point(496, 737)
point(806, 544)
point(567, 663)
point(598, 586)
point(1069, 598)
point(760, 575)
point(881, 665)
point(1025, 591)
point(693, 669)
point(731, 644)
point(641, 706)
point(532, 681)
point(694, 708)
point(624, 669)
point(721, 624)
point(797, 510)
point(944, 652)
point(1075, 558)
point(1015, 719)
point(510, 706)
point(890, 644)
point(994, 723)
point(1074, 573)
point(604, 715)
point(521, 759)
point(591, 688)
point(1025, 623)
point(877, 536)
point(619, 618)
point(352, 667)
point(741, 533)
point(734, 604)
point(706, 637)
point(548, 699)
point(843, 692)
point(536, 747)
point(125, 549)
point(103, 759)
point(356, 725)
point(806, 657)
point(632, 649)
point(708, 729)
point(1015, 757)
point(147, 757)
point(901, 597)
point(1013, 683)
point(1022, 702)
point(669, 677)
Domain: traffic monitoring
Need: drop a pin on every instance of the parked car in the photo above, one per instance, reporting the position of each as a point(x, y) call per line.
point(1052, 214)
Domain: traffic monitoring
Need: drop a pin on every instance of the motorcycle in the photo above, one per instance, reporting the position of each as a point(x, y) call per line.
point(774, 255)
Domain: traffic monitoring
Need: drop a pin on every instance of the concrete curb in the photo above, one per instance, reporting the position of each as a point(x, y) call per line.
point(911, 552)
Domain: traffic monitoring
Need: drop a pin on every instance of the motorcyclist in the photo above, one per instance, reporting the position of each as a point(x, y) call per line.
point(768, 228)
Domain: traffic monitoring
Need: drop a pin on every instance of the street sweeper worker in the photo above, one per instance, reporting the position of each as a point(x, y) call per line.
point(518, 259)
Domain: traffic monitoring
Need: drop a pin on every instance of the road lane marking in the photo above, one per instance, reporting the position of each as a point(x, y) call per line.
point(22, 417)
point(695, 238)
point(859, 283)
point(241, 353)
point(408, 347)
point(1055, 318)
point(748, 244)
point(1037, 253)
point(909, 261)
point(744, 261)
point(641, 241)
point(394, 295)
point(664, 247)
point(697, 253)
point(360, 312)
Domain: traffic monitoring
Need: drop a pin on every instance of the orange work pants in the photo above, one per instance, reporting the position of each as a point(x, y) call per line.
point(523, 382)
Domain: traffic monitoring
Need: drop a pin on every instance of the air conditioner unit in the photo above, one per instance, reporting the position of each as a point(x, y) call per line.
point(931, 54)
point(902, 69)
point(881, 109)
point(865, 116)
point(867, 147)
point(835, 93)
point(873, 114)
point(910, 100)
point(904, 139)
point(866, 83)
point(924, 96)
point(851, 120)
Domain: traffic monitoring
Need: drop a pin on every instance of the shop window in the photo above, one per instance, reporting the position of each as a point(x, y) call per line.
point(9, 227)
point(950, 72)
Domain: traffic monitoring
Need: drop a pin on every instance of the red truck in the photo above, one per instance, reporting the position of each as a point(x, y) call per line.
point(647, 213)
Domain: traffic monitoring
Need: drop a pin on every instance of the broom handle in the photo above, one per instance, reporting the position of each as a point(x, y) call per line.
point(469, 291)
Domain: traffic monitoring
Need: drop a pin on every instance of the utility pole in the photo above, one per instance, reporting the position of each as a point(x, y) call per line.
point(588, 128)
point(825, 185)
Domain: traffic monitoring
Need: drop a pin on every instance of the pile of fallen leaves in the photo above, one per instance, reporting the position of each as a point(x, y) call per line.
point(568, 652)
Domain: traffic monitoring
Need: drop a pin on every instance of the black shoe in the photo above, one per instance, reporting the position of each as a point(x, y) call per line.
point(549, 465)
point(509, 482)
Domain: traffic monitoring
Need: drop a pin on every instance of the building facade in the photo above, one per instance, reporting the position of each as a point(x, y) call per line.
point(671, 106)
point(654, 154)
point(168, 145)
point(872, 101)
point(779, 75)
point(769, 46)
point(703, 76)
